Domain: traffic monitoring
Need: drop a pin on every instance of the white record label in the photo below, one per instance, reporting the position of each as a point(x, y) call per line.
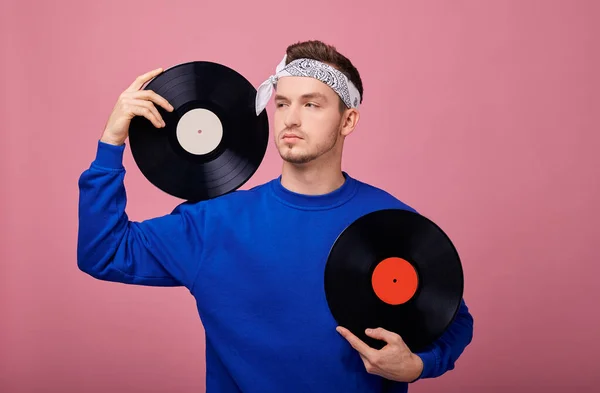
point(199, 131)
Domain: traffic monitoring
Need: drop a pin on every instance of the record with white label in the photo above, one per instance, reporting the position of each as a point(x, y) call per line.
point(213, 141)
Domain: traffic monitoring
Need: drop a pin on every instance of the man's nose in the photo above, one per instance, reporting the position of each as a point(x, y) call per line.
point(292, 117)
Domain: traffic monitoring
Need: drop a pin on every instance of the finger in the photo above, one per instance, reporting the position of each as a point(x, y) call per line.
point(356, 343)
point(152, 96)
point(140, 80)
point(370, 368)
point(384, 335)
point(151, 107)
point(147, 113)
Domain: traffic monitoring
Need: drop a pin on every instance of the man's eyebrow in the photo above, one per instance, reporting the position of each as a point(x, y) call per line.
point(307, 96)
point(314, 95)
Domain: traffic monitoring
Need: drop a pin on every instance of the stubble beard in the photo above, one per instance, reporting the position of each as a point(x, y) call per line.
point(288, 154)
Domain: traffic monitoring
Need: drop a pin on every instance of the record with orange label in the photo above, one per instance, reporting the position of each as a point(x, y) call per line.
point(213, 141)
point(398, 270)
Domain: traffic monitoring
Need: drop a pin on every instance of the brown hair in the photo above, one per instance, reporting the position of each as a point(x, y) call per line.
point(328, 54)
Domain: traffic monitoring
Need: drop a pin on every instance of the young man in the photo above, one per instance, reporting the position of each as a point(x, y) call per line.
point(254, 259)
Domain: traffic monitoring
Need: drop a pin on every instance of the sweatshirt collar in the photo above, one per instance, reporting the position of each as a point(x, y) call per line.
point(329, 200)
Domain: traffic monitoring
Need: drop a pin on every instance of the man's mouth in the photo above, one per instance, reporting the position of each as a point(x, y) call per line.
point(288, 135)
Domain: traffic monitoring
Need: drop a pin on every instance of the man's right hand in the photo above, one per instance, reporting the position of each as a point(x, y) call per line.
point(134, 102)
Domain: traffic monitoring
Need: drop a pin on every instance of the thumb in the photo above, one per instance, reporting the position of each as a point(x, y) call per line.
point(382, 334)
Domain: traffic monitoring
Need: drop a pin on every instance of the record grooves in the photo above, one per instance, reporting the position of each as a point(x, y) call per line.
point(213, 141)
point(397, 270)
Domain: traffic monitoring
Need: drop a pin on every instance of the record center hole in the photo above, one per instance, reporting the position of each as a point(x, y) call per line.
point(395, 280)
point(199, 131)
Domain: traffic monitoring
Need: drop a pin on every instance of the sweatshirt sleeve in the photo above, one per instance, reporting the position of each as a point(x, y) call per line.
point(162, 251)
point(441, 355)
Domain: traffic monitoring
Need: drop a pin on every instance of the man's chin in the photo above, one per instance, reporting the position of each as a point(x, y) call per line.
point(296, 159)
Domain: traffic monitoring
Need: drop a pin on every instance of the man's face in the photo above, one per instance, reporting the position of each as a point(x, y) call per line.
point(307, 119)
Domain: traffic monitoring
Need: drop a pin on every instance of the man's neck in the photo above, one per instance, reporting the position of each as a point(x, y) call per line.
point(312, 178)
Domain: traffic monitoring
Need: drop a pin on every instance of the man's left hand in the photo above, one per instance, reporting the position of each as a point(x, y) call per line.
point(395, 361)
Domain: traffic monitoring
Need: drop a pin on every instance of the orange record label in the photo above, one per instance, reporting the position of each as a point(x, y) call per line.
point(394, 281)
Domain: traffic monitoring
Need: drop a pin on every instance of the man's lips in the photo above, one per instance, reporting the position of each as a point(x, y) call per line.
point(290, 136)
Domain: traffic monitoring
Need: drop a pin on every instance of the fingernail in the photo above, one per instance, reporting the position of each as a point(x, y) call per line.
point(369, 330)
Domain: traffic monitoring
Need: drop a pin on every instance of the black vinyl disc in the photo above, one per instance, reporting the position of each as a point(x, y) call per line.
point(398, 270)
point(213, 141)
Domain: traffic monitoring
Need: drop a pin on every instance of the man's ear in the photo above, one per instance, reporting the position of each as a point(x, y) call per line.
point(350, 120)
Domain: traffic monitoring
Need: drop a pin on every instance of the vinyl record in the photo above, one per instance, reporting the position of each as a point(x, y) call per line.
point(397, 270)
point(213, 141)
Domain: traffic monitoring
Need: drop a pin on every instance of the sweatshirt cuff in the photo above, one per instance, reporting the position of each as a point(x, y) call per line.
point(430, 364)
point(109, 156)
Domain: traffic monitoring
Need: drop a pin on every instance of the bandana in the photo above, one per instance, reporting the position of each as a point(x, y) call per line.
point(310, 68)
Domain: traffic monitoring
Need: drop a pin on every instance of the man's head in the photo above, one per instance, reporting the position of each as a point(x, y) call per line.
point(311, 120)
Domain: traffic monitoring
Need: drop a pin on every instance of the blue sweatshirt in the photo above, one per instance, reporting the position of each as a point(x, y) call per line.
point(254, 261)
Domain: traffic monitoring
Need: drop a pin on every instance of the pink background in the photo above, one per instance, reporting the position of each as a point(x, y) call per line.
point(481, 114)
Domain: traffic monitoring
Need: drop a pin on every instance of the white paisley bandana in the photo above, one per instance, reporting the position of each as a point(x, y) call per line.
point(310, 68)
